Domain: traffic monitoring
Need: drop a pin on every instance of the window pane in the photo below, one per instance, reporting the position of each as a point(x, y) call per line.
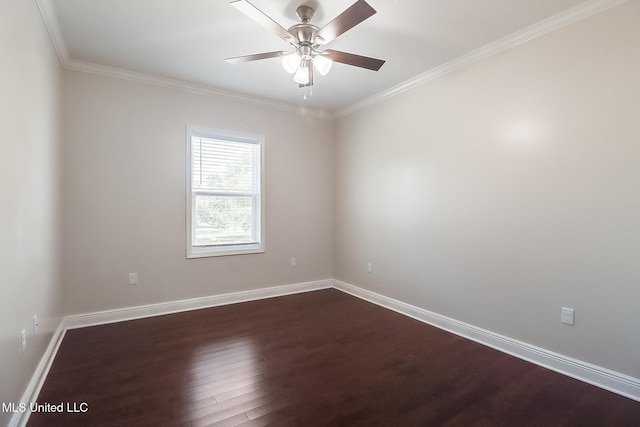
point(223, 220)
point(225, 201)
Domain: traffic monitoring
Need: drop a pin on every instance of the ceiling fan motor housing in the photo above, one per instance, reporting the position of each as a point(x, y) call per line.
point(305, 33)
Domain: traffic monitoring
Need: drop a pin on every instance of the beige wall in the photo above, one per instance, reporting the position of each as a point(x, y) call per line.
point(124, 195)
point(29, 255)
point(504, 191)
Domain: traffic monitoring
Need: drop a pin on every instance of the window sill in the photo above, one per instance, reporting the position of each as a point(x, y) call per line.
point(196, 252)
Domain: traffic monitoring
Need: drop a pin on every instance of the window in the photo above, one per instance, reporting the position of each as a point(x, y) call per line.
point(224, 194)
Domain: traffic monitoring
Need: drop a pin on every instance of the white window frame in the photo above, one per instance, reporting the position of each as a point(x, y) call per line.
point(223, 250)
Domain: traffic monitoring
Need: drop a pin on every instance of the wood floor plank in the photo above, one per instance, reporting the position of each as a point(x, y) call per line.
point(320, 358)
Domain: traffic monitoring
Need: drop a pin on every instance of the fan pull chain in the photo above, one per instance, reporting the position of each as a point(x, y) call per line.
point(308, 91)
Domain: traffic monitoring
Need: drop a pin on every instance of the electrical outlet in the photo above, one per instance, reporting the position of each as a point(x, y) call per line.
point(23, 341)
point(294, 262)
point(133, 278)
point(35, 324)
point(369, 267)
point(567, 316)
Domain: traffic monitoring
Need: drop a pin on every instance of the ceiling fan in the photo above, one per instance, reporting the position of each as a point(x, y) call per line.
point(306, 39)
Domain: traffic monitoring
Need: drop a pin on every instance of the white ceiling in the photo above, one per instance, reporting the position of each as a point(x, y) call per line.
point(187, 41)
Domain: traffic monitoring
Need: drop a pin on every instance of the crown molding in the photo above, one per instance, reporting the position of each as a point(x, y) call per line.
point(53, 28)
point(580, 12)
point(50, 19)
point(164, 82)
point(553, 23)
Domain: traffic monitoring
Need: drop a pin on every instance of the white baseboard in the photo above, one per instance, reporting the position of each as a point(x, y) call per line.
point(38, 377)
point(139, 312)
point(19, 419)
point(613, 381)
point(601, 377)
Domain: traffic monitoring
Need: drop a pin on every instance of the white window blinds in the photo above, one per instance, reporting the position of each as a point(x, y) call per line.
point(225, 166)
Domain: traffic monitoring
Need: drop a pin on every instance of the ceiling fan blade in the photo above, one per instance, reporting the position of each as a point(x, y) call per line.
point(355, 14)
point(256, 57)
point(258, 16)
point(353, 59)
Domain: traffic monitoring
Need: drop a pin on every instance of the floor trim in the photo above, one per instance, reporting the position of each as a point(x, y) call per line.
point(139, 312)
point(20, 419)
point(601, 377)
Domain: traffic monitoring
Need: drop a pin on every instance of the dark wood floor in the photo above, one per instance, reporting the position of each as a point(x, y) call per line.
point(321, 358)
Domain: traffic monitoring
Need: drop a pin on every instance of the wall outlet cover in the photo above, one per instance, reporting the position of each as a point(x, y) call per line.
point(567, 316)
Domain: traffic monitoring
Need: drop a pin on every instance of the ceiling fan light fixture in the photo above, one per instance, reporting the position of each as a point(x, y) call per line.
point(291, 62)
point(322, 64)
point(302, 74)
